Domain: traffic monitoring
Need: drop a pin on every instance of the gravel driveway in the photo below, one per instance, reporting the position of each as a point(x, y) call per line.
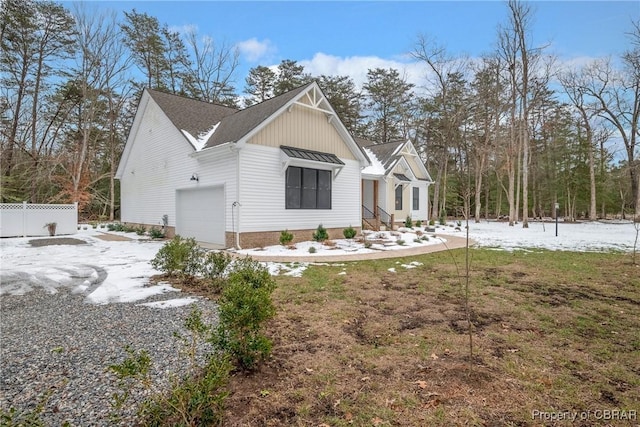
point(59, 343)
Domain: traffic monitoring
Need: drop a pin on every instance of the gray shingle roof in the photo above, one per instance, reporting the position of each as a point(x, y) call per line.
point(198, 117)
point(241, 123)
point(191, 115)
point(385, 152)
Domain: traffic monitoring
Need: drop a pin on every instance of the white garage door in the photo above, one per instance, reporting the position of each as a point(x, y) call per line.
point(200, 214)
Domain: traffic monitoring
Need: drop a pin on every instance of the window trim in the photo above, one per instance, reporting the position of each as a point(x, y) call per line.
point(416, 198)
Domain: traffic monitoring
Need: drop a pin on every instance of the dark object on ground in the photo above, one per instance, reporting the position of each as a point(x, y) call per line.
point(60, 241)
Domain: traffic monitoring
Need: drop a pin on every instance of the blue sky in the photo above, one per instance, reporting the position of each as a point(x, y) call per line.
point(349, 37)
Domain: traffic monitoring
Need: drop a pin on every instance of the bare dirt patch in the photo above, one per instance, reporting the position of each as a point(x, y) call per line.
point(36, 243)
point(113, 237)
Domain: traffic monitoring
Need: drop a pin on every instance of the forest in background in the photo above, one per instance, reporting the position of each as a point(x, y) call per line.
point(510, 134)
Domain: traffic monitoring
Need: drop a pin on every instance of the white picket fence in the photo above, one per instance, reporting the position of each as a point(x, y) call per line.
point(31, 219)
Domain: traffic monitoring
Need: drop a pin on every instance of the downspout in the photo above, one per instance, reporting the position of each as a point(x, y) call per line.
point(237, 202)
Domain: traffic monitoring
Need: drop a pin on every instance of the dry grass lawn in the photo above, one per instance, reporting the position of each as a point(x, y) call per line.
point(552, 332)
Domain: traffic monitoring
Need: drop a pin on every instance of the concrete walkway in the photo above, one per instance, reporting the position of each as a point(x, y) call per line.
point(452, 242)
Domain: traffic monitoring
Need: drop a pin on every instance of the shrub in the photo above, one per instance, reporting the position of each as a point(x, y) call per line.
point(285, 237)
point(182, 256)
point(140, 230)
point(320, 234)
point(408, 222)
point(312, 249)
point(156, 233)
point(193, 399)
point(432, 222)
point(425, 238)
point(244, 306)
point(367, 244)
point(196, 400)
point(417, 240)
point(418, 223)
point(349, 232)
point(115, 227)
point(214, 266)
point(400, 242)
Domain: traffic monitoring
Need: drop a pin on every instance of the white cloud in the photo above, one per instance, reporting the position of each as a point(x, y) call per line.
point(357, 67)
point(184, 29)
point(255, 50)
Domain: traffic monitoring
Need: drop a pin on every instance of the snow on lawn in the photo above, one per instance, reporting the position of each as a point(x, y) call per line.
point(598, 236)
point(106, 271)
point(402, 238)
point(119, 271)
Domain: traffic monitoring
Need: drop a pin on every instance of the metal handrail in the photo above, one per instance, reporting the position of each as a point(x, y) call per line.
point(367, 213)
point(385, 217)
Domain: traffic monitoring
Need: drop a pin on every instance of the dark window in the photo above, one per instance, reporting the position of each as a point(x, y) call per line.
point(294, 188)
point(416, 198)
point(308, 188)
point(399, 198)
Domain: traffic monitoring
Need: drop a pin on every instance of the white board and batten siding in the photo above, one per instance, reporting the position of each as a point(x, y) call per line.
point(159, 166)
point(262, 181)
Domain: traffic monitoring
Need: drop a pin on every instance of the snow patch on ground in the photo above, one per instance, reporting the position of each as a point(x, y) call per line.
point(119, 271)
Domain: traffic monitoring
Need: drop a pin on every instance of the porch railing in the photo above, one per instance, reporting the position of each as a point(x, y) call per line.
point(375, 219)
point(385, 218)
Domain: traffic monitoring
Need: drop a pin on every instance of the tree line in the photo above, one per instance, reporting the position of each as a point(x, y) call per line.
point(511, 134)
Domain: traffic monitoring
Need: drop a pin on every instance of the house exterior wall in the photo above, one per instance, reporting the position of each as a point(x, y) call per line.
point(159, 164)
point(262, 184)
point(422, 213)
point(407, 199)
point(303, 128)
point(411, 160)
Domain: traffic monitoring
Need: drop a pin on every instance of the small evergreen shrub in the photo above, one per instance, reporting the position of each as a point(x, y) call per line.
point(244, 306)
point(320, 234)
point(179, 256)
point(156, 233)
point(367, 244)
point(214, 266)
point(349, 232)
point(197, 400)
point(432, 222)
point(140, 230)
point(312, 249)
point(400, 242)
point(115, 227)
point(408, 222)
point(417, 240)
point(286, 237)
point(425, 238)
point(418, 223)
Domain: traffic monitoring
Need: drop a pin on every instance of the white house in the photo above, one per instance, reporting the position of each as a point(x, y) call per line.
point(239, 178)
point(396, 184)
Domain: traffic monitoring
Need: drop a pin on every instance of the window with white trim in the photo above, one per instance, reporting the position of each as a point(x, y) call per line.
point(416, 198)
